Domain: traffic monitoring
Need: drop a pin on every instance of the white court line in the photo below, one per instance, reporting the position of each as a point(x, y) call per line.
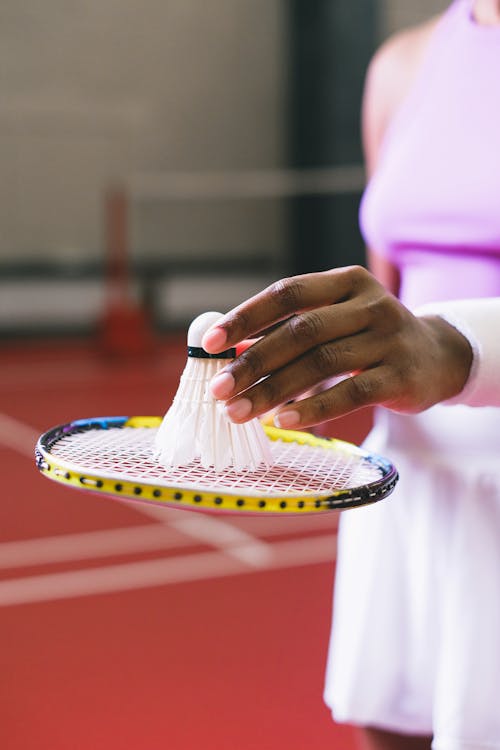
point(134, 539)
point(221, 534)
point(18, 436)
point(271, 524)
point(205, 528)
point(151, 573)
point(91, 544)
point(62, 548)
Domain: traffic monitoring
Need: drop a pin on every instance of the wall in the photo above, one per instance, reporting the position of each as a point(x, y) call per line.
point(99, 89)
point(95, 90)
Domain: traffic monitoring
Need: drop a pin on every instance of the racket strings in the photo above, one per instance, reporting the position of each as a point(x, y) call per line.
point(126, 453)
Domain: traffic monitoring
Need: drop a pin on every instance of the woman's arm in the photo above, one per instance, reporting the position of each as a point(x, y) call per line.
point(336, 323)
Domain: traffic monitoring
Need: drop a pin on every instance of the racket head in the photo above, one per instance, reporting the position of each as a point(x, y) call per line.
point(114, 456)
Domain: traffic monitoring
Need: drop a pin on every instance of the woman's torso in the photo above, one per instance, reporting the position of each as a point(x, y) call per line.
point(433, 208)
point(433, 205)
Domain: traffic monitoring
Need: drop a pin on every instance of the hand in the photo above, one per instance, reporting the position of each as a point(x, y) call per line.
point(336, 323)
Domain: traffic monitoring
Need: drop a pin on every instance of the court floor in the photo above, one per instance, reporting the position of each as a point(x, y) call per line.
point(127, 626)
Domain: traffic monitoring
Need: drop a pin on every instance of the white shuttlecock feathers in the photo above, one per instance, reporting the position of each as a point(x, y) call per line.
point(197, 427)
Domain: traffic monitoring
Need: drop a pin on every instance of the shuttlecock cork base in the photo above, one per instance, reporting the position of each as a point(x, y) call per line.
point(196, 426)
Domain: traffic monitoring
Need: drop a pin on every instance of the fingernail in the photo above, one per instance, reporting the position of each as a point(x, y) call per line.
point(214, 340)
point(222, 385)
point(239, 409)
point(287, 419)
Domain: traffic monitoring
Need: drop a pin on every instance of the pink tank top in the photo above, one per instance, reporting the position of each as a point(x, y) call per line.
point(433, 205)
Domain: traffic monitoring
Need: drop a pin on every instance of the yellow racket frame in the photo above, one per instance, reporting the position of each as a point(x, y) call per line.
point(73, 476)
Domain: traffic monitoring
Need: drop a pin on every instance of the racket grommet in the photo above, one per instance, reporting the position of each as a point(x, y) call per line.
point(197, 498)
point(317, 504)
point(300, 504)
point(262, 503)
point(89, 482)
point(156, 493)
point(178, 496)
point(137, 490)
point(240, 502)
point(218, 501)
point(283, 504)
point(118, 487)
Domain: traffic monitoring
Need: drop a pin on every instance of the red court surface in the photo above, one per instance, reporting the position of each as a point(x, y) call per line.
point(126, 626)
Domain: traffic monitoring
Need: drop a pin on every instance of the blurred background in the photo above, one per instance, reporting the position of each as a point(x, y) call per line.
point(160, 159)
point(199, 114)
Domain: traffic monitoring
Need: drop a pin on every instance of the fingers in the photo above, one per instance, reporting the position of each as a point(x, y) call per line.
point(281, 300)
point(313, 327)
point(298, 335)
point(365, 389)
point(316, 366)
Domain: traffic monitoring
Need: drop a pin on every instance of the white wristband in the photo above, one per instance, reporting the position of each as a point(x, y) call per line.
point(479, 321)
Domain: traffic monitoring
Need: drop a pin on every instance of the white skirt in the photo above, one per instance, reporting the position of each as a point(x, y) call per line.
point(415, 646)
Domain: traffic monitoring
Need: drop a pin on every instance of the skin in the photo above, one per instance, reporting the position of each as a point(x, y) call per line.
point(376, 739)
point(487, 12)
point(342, 321)
point(347, 322)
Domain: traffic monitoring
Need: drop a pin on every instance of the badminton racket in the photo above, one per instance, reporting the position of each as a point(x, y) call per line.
point(114, 456)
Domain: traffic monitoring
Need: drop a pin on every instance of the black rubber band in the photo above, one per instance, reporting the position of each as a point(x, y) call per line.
point(199, 353)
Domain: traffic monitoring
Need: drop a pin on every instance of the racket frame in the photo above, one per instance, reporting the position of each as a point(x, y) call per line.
point(72, 475)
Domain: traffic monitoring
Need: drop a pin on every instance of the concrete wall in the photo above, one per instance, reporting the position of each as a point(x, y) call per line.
point(95, 90)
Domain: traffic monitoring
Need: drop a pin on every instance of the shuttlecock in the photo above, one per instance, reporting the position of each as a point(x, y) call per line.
point(196, 426)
